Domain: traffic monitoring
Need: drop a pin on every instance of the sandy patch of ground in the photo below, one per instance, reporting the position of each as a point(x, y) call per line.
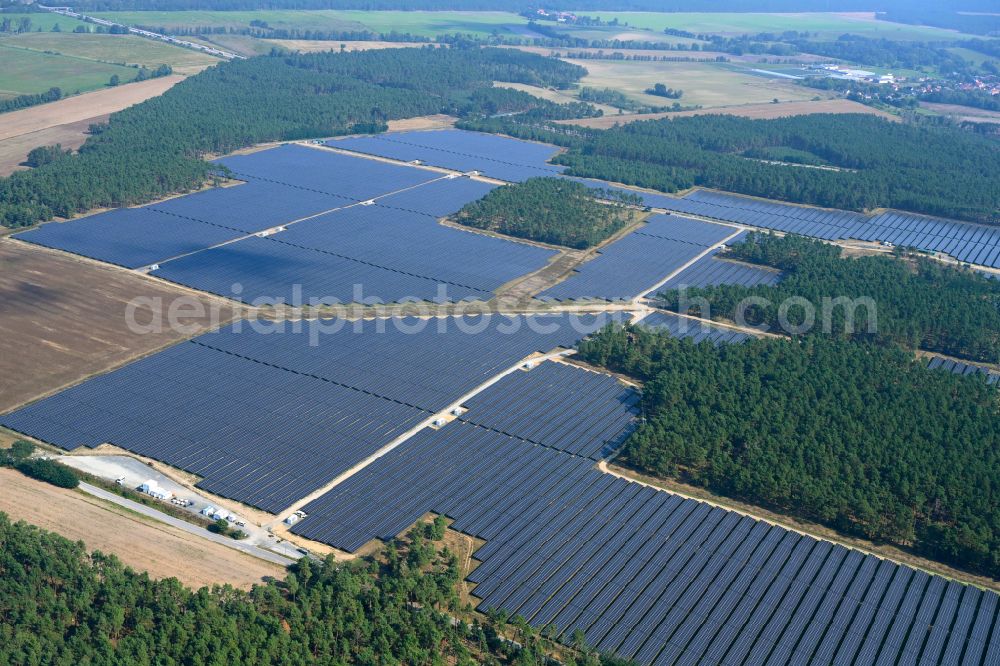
point(758, 111)
point(63, 319)
point(140, 542)
point(14, 151)
point(67, 120)
point(437, 121)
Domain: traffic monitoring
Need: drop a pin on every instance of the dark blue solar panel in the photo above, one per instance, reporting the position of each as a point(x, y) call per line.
point(503, 158)
point(130, 237)
point(439, 198)
point(327, 171)
point(960, 368)
point(379, 253)
point(252, 206)
point(632, 265)
point(693, 329)
point(710, 271)
point(267, 418)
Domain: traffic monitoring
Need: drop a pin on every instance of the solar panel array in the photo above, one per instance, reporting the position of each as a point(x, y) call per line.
point(499, 157)
point(960, 368)
point(826, 224)
point(695, 330)
point(284, 184)
point(129, 237)
point(440, 197)
point(327, 172)
point(710, 271)
point(560, 406)
point(972, 243)
point(358, 253)
point(267, 419)
point(633, 264)
point(647, 574)
point(484, 459)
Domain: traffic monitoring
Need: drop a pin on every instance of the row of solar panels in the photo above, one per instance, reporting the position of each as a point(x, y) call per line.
point(693, 329)
point(267, 419)
point(498, 157)
point(964, 241)
point(635, 263)
point(585, 413)
point(386, 254)
point(960, 368)
point(646, 574)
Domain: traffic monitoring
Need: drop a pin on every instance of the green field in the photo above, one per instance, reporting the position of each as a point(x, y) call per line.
point(425, 24)
point(114, 49)
point(25, 72)
point(829, 26)
point(704, 84)
point(45, 21)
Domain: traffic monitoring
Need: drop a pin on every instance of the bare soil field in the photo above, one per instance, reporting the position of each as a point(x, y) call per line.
point(66, 121)
point(14, 151)
point(82, 107)
point(139, 542)
point(63, 319)
point(758, 111)
point(438, 121)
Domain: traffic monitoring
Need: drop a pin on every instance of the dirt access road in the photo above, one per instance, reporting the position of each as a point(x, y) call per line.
point(67, 120)
point(140, 542)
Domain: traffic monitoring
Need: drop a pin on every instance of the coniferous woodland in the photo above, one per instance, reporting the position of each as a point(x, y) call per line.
point(875, 163)
point(551, 210)
point(917, 303)
point(156, 148)
point(860, 437)
point(62, 605)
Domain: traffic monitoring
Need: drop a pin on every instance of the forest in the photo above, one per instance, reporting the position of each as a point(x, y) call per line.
point(918, 303)
point(551, 210)
point(156, 148)
point(63, 605)
point(920, 168)
point(860, 437)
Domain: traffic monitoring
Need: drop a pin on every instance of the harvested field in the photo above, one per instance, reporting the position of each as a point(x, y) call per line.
point(82, 107)
point(14, 151)
point(964, 113)
point(314, 45)
point(139, 542)
point(67, 120)
point(757, 111)
point(63, 319)
point(437, 121)
point(706, 84)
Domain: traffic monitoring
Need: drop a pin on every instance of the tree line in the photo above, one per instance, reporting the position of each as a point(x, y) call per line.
point(62, 604)
point(917, 303)
point(155, 148)
point(938, 170)
point(551, 210)
point(860, 437)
